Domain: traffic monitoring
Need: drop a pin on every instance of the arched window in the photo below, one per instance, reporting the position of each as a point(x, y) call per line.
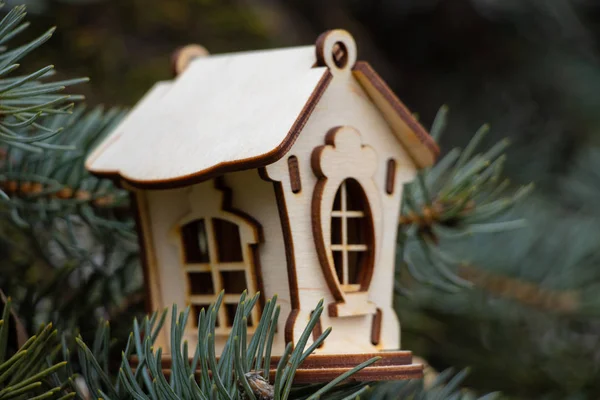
point(351, 236)
point(346, 214)
point(218, 253)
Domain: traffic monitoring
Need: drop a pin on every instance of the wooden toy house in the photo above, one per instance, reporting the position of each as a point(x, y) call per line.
point(277, 171)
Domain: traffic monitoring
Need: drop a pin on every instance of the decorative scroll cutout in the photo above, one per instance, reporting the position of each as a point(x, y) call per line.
point(218, 248)
point(343, 205)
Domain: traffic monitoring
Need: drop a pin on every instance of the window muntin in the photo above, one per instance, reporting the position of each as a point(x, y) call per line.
point(351, 236)
point(195, 242)
point(214, 260)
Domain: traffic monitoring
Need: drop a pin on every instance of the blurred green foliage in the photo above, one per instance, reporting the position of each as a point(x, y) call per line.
point(528, 67)
point(125, 46)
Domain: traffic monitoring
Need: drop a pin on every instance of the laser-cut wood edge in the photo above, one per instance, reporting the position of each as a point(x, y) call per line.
point(232, 166)
point(317, 226)
point(317, 331)
point(376, 327)
point(390, 176)
point(294, 171)
point(252, 269)
point(150, 271)
point(317, 368)
point(421, 146)
point(289, 256)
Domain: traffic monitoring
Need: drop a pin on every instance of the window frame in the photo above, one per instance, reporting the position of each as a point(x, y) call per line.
point(209, 205)
point(342, 157)
point(367, 249)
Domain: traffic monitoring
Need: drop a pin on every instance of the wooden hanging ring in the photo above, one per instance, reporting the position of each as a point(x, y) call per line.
point(336, 49)
point(183, 56)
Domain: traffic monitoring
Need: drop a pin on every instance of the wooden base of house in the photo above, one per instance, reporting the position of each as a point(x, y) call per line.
point(393, 365)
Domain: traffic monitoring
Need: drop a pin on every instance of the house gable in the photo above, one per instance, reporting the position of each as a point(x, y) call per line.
point(223, 113)
point(235, 112)
point(344, 120)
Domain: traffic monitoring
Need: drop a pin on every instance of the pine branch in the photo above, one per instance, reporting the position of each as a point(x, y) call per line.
point(31, 372)
point(78, 226)
point(241, 372)
point(28, 103)
point(56, 184)
point(527, 293)
point(461, 196)
point(445, 386)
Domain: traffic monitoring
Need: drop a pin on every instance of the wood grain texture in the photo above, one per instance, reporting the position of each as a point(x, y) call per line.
point(217, 108)
point(337, 124)
point(211, 202)
point(257, 197)
point(343, 103)
point(344, 157)
point(152, 285)
point(207, 107)
point(252, 199)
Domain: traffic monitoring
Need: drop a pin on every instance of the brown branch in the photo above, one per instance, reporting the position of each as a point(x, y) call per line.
point(436, 213)
point(29, 189)
point(524, 292)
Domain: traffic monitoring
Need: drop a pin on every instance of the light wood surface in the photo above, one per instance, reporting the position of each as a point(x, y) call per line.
point(345, 103)
point(294, 148)
point(211, 115)
point(206, 121)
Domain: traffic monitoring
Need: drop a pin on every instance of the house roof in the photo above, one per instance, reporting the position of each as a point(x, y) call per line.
point(233, 112)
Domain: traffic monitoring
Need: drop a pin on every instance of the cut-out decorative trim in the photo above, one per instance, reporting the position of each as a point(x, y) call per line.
point(320, 368)
point(376, 327)
point(352, 242)
point(294, 171)
point(225, 249)
point(390, 176)
point(420, 146)
point(289, 256)
point(344, 157)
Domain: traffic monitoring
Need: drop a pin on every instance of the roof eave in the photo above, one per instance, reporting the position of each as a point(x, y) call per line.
point(226, 167)
point(415, 139)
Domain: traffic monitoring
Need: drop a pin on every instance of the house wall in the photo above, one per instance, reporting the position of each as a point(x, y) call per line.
point(256, 197)
point(161, 210)
point(344, 103)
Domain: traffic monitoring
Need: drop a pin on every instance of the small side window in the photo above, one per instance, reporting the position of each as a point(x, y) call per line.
point(294, 171)
point(390, 177)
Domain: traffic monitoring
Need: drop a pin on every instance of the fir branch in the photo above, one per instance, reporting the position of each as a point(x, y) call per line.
point(445, 385)
point(461, 196)
point(188, 376)
point(28, 102)
point(528, 293)
point(30, 370)
point(80, 226)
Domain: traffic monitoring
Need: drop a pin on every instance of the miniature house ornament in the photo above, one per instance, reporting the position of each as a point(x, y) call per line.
point(277, 171)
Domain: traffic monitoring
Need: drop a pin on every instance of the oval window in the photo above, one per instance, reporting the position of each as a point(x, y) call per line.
point(352, 247)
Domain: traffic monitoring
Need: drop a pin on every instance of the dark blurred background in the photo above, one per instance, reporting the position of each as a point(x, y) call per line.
point(530, 68)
